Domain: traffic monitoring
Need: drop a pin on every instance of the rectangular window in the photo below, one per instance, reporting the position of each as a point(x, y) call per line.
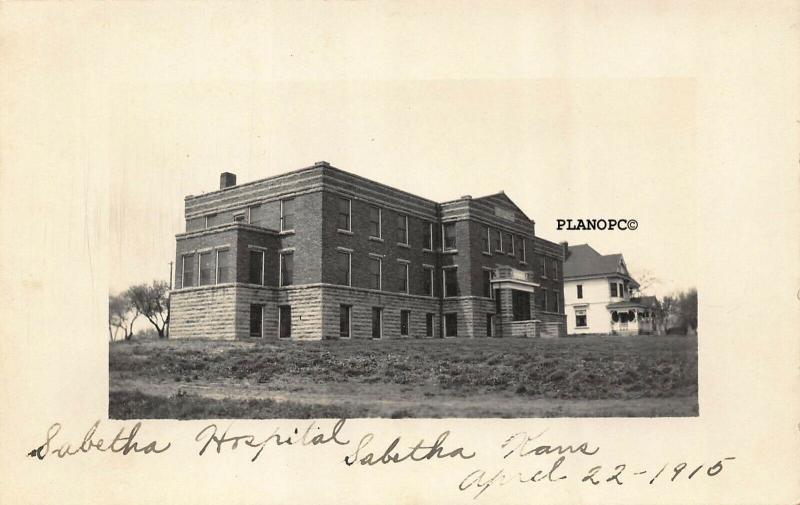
point(621, 290)
point(207, 268)
point(343, 273)
point(544, 300)
point(450, 282)
point(613, 289)
point(375, 273)
point(375, 222)
point(405, 321)
point(240, 217)
point(427, 240)
point(521, 305)
point(377, 322)
point(449, 236)
point(211, 220)
point(402, 230)
point(555, 268)
point(256, 267)
point(285, 321)
point(521, 250)
point(428, 325)
point(344, 321)
point(188, 271)
point(223, 266)
point(580, 291)
point(556, 302)
point(485, 238)
point(543, 267)
point(287, 268)
point(427, 280)
point(580, 318)
point(343, 220)
point(403, 272)
point(256, 318)
point(489, 325)
point(497, 241)
point(487, 283)
point(254, 213)
point(287, 214)
point(451, 324)
point(510, 241)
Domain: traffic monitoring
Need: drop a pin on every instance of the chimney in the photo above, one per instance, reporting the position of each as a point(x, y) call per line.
point(227, 180)
point(565, 246)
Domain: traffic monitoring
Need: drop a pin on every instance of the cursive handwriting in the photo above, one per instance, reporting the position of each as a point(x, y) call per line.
point(519, 444)
point(478, 478)
point(419, 452)
point(209, 434)
point(123, 443)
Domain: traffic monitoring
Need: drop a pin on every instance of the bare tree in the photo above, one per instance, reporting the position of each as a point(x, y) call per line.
point(646, 281)
point(152, 301)
point(121, 316)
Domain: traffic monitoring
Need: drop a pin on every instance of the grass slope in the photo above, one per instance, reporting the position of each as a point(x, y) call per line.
point(633, 376)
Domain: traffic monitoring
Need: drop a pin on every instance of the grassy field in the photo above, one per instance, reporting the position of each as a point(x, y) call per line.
point(582, 376)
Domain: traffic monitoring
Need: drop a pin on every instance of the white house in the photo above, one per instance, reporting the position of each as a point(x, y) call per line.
point(597, 295)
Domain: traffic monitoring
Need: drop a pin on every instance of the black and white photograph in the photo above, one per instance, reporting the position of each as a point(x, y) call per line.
point(321, 293)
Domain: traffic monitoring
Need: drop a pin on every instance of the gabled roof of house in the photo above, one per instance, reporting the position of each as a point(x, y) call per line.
point(583, 261)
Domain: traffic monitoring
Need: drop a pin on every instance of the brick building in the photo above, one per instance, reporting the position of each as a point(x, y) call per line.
point(322, 253)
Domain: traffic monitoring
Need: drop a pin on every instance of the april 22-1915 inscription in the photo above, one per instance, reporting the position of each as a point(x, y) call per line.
point(519, 459)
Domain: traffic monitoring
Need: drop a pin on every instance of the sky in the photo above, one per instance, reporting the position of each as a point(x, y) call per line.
point(437, 104)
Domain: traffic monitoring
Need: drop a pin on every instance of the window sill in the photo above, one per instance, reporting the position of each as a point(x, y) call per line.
point(376, 239)
point(424, 249)
point(450, 251)
point(512, 253)
point(486, 253)
point(344, 232)
point(400, 244)
point(286, 232)
point(523, 262)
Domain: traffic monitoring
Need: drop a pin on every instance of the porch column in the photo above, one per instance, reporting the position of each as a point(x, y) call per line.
point(506, 315)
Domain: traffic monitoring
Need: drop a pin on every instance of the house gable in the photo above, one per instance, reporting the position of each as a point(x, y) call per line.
point(584, 262)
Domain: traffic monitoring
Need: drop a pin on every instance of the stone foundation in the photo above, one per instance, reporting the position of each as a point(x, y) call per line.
point(204, 312)
point(222, 312)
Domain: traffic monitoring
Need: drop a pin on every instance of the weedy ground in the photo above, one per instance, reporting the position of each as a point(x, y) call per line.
point(594, 376)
